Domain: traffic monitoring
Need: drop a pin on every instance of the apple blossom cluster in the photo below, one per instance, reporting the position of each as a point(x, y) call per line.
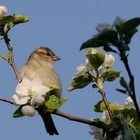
point(108, 63)
point(98, 133)
point(30, 94)
point(103, 27)
point(97, 70)
point(3, 11)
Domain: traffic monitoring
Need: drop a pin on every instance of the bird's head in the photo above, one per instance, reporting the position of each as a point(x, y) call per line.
point(44, 53)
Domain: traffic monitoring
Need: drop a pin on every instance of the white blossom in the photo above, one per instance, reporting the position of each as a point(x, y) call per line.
point(27, 89)
point(19, 101)
point(3, 11)
point(119, 21)
point(37, 100)
point(129, 103)
point(97, 133)
point(23, 88)
point(105, 117)
point(103, 27)
point(109, 60)
point(108, 63)
point(28, 111)
point(79, 70)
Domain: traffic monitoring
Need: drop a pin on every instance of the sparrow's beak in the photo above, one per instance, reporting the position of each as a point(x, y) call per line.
point(56, 58)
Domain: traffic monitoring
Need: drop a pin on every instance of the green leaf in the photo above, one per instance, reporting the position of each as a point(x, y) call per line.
point(127, 38)
point(124, 84)
point(130, 25)
point(110, 75)
point(18, 113)
point(107, 48)
point(122, 91)
point(96, 58)
point(54, 102)
point(129, 28)
point(6, 19)
point(101, 40)
point(7, 22)
point(109, 36)
point(93, 42)
point(100, 106)
point(15, 19)
point(5, 57)
point(20, 19)
point(132, 120)
point(80, 81)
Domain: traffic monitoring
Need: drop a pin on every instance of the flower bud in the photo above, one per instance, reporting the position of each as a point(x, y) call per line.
point(119, 21)
point(79, 70)
point(37, 100)
point(109, 60)
point(28, 111)
point(103, 27)
point(3, 11)
point(105, 117)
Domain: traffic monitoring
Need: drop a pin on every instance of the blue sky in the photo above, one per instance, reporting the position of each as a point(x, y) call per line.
point(63, 26)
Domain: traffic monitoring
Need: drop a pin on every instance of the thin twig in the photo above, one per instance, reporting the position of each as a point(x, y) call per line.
point(11, 59)
point(102, 92)
point(78, 119)
point(7, 101)
point(70, 117)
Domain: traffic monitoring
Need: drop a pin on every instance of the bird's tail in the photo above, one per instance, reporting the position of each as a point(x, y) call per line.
point(48, 122)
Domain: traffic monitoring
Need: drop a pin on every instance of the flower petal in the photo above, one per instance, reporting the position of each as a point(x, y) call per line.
point(3, 11)
point(109, 60)
point(79, 70)
point(37, 100)
point(19, 101)
point(118, 21)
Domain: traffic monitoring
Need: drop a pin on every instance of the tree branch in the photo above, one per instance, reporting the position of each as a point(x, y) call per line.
point(7, 101)
point(11, 59)
point(78, 119)
point(69, 117)
point(132, 80)
point(102, 92)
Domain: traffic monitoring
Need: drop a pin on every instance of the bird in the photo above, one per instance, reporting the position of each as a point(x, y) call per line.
point(40, 66)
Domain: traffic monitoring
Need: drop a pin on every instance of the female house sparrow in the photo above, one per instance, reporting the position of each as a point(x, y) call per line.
point(39, 67)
